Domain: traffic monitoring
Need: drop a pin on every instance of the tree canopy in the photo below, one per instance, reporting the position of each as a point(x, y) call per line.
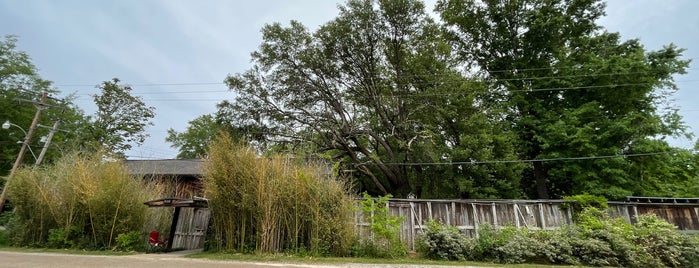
point(194, 142)
point(20, 85)
point(121, 118)
point(494, 99)
point(572, 89)
point(118, 124)
point(377, 90)
point(498, 99)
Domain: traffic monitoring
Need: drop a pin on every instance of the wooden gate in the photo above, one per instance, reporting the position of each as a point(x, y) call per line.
point(190, 219)
point(191, 228)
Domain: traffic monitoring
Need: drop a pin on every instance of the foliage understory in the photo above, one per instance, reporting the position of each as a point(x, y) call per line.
point(596, 240)
point(82, 202)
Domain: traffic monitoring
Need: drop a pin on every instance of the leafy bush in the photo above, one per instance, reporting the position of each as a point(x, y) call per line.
point(384, 227)
point(519, 248)
point(442, 242)
point(58, 238)
point(4, 238)
point(662, 244)
point(596, 240)
point(131, 241)
point(578, 203)
point(558, 246)
point(5, 217)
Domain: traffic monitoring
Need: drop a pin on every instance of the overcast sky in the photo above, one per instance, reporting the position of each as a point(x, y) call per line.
point(176, 53)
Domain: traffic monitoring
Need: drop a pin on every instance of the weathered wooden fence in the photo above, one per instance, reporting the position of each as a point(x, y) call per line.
point(683, 215)
point(468, 215)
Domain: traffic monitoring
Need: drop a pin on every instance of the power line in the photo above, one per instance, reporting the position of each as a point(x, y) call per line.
point(148, 84)
point(520, 161)
point(560, 67)
point(420, 95)
point(416, 75)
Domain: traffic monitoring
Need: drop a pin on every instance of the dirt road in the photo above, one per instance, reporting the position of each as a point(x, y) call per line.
point(54, 260)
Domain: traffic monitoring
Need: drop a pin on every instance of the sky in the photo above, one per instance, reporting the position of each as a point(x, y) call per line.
point(176, 53)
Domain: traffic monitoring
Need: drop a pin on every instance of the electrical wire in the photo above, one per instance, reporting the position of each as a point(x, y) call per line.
point(421, 95)
point(520, 161)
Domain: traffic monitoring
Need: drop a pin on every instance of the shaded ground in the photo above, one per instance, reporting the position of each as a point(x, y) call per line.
point(10, 259)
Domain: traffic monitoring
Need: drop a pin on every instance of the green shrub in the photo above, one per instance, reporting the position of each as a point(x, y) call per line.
point(385, 229)
point(690, 254)
point(520, 247)
point(578, 203)
point(442, 242)
point(596, 240)
point(4, 238)
point(489, 240)
point(58, 238)
point(5, 217)
point(131, 241)
point(587, 200)
point(663, 245)
point(558, 246)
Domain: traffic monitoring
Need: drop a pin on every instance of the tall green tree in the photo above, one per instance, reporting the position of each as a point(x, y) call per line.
point(20, 84)
point(194, 142)
point(120, 120)
point(572, 89)
point(378, 91)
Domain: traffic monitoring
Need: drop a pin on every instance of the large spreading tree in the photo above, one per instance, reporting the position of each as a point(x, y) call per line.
point(194, 142)
point(379, 91)
point(120, 121)
point(498, 99)
point(572, 89)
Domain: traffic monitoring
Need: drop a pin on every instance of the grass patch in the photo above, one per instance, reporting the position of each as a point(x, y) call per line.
point(285, 258)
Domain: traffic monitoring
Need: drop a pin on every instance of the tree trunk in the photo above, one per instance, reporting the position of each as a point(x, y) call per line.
point(540, 176)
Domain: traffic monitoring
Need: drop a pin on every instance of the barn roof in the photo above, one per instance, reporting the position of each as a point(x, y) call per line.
point(178, 202)
point(181, 167)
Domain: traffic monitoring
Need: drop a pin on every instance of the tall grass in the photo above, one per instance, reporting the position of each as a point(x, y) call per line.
point(80, 201)
point(275, 203)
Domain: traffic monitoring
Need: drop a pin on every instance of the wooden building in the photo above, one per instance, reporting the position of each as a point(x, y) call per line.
point(182, 176)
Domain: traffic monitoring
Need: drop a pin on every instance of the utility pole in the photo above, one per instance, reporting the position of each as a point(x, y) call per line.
point(46, 144)
point(40, 106)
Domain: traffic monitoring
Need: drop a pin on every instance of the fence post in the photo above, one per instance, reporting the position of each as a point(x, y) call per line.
point(453, 210)
point(412, 226)
point(429, 210)
point(541, 214)
point(475, 220)
point(495, 215)
point(515, 208)
point(446, 206)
